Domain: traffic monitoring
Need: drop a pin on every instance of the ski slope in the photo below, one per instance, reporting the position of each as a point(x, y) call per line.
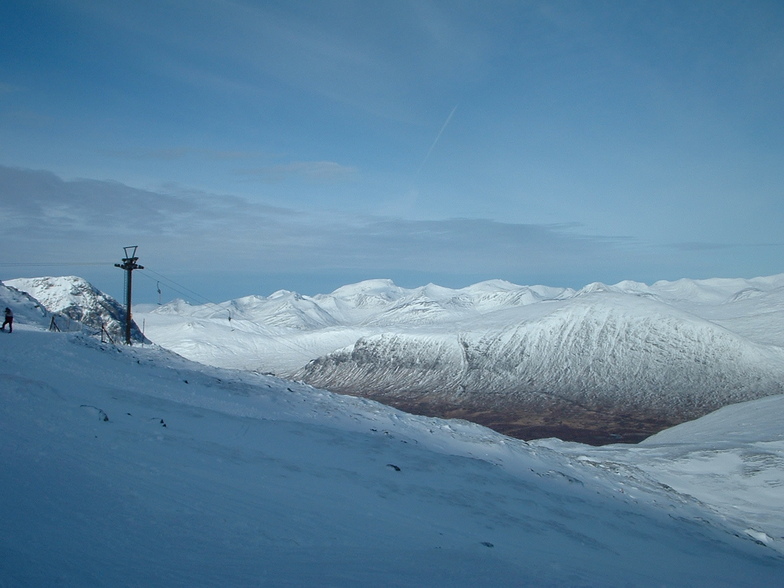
point(135, 467)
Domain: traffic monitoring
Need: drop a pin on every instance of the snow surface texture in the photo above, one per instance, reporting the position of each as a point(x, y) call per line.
point(134, 467)
point(672, 351)
point(731, 459)
point(70, 298)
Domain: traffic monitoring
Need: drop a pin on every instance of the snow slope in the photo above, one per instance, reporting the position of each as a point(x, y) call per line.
point(134, 467)
point(731, 460)
point(664, 353)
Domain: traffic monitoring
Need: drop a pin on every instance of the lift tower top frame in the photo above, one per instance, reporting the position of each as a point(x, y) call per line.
point(129, 264)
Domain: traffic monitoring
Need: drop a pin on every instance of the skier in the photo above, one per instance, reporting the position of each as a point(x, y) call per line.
point(9, 320)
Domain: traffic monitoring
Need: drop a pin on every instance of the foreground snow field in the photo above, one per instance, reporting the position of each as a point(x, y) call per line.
point(134, 467)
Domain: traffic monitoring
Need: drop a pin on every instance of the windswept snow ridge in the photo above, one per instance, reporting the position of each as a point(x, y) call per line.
point(601, 363)
point(130, 466)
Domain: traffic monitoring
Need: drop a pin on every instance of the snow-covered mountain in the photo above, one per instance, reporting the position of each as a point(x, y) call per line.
point(75, 299)
point(130, 466)
point(598, 363)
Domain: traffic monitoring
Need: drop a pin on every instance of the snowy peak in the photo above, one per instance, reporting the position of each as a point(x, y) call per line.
point(354, 302)
point(76, 299)
point(373, 303)
point(58, 293)
point(381, 288)
point(380, 302)
point(715, 290)
point(297, 312)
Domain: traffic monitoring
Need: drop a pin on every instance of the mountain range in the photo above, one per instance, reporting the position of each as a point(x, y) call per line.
point(599, 364)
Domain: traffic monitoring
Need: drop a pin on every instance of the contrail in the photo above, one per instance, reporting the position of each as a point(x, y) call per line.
point(438, 136)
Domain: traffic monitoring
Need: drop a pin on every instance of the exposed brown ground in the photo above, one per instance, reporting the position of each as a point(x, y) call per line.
point(590, 428)
point(568, 423)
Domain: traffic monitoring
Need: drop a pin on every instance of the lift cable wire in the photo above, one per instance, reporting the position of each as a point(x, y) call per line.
point(198, 297)
point(54, 264)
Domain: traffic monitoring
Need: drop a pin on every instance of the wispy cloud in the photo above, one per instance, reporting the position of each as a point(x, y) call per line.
point(49, 219)
point(700, 246)
point(50, 216)
point(164, 154)
point(46, 213)
point(312, 171)
point(706, 247)
point(174, 153)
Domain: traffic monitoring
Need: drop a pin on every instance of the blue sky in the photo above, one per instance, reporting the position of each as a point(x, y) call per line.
point(248, 146)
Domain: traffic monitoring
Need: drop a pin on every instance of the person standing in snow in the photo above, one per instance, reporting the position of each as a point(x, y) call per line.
point(9, 320)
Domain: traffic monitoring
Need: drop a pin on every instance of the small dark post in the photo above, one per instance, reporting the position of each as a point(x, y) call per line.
point(129, 264)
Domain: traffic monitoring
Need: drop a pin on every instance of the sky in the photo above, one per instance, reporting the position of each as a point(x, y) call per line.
point(250, 146)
